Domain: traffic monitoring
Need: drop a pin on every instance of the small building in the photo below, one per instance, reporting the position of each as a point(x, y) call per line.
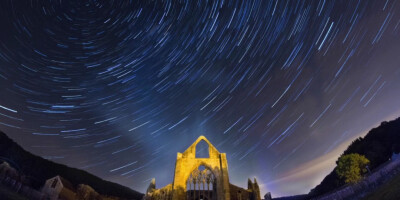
point(7, 171)
point(58, 188)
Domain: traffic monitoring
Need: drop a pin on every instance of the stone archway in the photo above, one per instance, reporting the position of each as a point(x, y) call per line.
point(187, 162)
point(201, 184)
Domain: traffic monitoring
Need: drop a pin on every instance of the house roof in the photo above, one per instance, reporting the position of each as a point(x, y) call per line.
point(66, 183)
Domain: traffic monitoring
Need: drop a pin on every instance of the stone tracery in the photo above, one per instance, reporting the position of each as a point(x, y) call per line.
point(200, 184)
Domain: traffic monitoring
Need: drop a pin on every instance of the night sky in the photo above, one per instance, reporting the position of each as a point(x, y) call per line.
point(117, 88)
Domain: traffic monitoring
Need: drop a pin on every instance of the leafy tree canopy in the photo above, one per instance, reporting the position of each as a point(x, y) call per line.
point(351, 167)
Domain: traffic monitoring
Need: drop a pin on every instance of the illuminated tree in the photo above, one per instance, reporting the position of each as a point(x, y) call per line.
point(351, 167)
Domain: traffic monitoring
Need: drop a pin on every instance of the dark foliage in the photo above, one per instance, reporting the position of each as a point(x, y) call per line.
point(377, 146)
point(38, 170)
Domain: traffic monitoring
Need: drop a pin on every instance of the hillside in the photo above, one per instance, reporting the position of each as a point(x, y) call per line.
point(40, 170)
point(387, 191)
point(377, 146)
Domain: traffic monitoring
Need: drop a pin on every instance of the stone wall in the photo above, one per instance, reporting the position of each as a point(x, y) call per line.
point(238, 193)
point(187, 162)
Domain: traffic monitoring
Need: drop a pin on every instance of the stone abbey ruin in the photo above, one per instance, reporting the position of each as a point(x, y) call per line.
point(202, 179)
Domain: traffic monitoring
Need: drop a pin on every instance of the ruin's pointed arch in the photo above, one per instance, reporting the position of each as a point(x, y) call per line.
point(202, 149)
point(217, 164)
point(201, 183)
point(187, 162)
point(214, 171)
point(190, 152)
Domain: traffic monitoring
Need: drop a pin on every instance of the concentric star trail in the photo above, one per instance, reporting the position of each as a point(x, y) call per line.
point(119, 87)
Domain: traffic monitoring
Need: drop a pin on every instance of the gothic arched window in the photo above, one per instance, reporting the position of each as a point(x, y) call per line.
point(201, 184)
point(202, 149)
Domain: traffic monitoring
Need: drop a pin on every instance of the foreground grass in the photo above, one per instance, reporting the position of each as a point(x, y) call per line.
point(10, 195)
point(387, 191)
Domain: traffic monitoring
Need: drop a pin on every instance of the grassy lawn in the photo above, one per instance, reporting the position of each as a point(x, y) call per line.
point(388, 191)
point(10, 195)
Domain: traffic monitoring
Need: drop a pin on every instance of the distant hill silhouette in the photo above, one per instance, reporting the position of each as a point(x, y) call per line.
point(38, 170)
point(377, 146)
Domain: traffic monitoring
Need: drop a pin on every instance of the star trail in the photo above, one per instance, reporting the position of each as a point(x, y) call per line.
point(117, 88)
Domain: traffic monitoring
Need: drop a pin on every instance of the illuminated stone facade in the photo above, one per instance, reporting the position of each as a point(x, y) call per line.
point(202, 178)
